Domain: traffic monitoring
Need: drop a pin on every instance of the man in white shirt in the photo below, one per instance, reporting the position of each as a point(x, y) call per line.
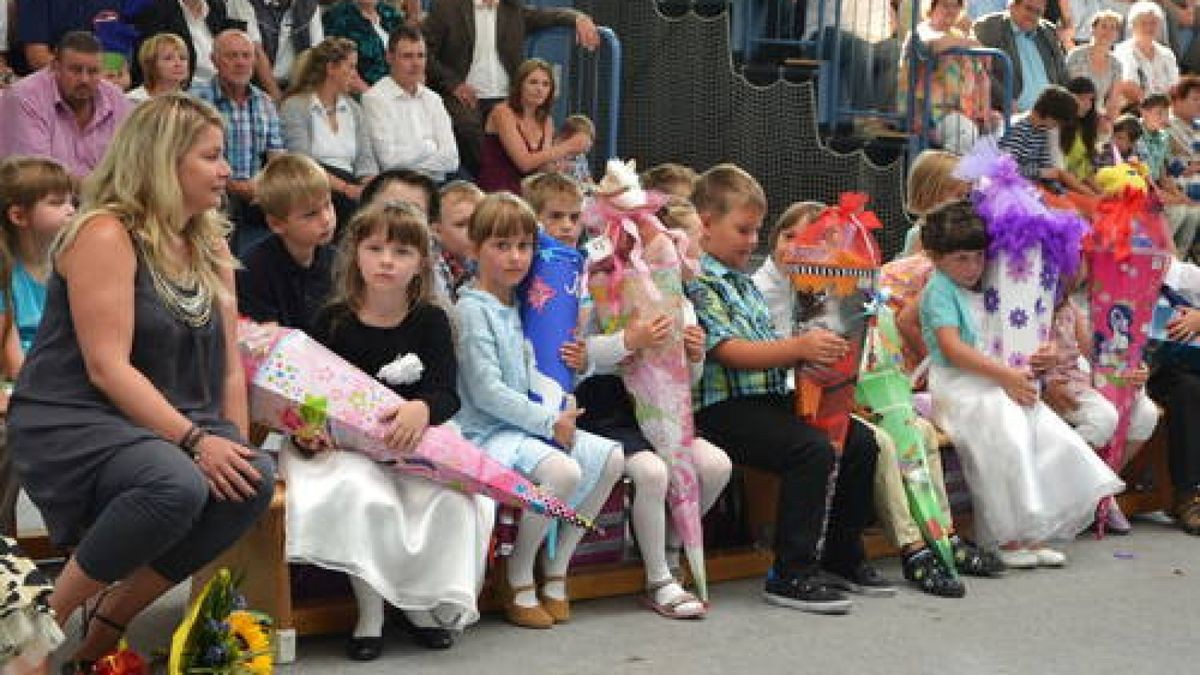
point(407, 122)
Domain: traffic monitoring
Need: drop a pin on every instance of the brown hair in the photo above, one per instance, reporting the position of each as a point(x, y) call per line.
point(501, 214)
point(726, 187)
point(1184, 86)
point(25, 181)
point(400, 222)
point(799, 213)
point(540, 188)
point(147, 55)
point(287, 180)
point(529, 67)
point(311, 68)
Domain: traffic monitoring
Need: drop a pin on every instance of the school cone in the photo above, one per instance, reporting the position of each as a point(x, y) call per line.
point(833, 264)
point(885, 390)
point(299, 387)
point(640, 273)
point(1129, 256)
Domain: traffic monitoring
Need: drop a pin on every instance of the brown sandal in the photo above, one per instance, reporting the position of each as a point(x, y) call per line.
point(526, 617)
point(559, 610)
point(670, 609)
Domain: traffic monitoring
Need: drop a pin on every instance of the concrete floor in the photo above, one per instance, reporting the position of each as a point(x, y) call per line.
point(1124, 605)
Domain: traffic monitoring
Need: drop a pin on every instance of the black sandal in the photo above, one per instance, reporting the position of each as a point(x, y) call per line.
point(924, 569)
point(974, 561)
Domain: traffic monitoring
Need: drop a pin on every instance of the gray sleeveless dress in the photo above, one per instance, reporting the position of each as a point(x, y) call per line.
point(62, 428)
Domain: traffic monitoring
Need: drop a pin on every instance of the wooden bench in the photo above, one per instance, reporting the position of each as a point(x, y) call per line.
point(260, 554)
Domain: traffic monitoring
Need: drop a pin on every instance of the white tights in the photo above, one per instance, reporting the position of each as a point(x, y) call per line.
point(559, 475)
point(650, 478)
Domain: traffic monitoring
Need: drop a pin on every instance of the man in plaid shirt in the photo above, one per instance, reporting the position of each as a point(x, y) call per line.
point(252, 131)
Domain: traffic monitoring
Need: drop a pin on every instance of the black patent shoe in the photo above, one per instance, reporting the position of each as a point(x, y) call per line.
point(432, 638)
point(364, 648)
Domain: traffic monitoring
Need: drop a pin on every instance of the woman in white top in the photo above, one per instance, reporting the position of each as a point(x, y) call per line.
point(1096, 62)
point(164, 62)
point(319, 119)
point(1144, 61)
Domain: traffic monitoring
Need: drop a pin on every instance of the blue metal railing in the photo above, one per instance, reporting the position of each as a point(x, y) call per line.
point(580, 81)
point(969, 52)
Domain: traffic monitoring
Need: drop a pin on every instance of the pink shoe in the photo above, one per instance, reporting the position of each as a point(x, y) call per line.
point(1116, 522)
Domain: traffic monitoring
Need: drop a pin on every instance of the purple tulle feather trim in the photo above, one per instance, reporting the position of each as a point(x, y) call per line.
point(1016, 218)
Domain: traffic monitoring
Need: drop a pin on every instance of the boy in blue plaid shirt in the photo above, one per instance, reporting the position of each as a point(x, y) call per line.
point(743, 405)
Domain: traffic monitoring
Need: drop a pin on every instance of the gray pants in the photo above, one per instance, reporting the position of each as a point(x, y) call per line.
point(154, 507)
point(9, 487)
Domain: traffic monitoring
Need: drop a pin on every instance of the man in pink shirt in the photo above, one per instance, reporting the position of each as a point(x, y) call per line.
point(65, 111)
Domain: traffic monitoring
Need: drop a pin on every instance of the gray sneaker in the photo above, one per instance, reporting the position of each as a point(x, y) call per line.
point(864, 579)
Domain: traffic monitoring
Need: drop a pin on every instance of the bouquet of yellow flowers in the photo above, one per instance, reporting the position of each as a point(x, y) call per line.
point(219, 636)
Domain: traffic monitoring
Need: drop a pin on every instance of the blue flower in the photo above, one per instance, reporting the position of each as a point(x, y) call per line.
point(215, 655)
point(991, 299)
point(1017, 318)
point(1048, 279)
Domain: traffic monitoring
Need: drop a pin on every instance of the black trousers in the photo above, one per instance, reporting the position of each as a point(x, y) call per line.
point(1177, 389)
point(9, 488)
point(763, 432)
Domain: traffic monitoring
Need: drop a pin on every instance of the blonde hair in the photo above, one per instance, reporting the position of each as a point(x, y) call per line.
point(527, 68)
point(726, 187)
point(137, 182)
point(287, 180)
point(458, 189)
point(501, 214)
point(799, 213)
point(540, 188)
point(675, 210)
point(399, 222)
point(147, 55)
point(931, 181)
point(575, 124)
point(311, 67)
point(666, 176)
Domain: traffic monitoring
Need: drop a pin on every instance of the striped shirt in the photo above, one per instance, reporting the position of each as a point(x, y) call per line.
point(1030, 146)
point(729, 306)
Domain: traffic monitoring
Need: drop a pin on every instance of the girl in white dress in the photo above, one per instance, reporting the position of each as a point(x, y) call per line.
point(400, 538)
point(1032, 478)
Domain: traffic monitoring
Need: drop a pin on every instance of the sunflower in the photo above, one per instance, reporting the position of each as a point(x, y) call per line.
point(252, 632)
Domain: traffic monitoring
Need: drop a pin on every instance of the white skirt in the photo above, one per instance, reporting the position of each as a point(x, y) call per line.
point(420, 545)
point(1032, 478)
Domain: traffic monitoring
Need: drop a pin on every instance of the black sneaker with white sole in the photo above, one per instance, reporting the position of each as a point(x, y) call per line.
point(863, 579)
point(804, 591)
